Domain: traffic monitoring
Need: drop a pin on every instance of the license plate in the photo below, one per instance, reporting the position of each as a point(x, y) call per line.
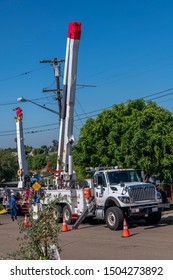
point(155, 209)
point(135, 210)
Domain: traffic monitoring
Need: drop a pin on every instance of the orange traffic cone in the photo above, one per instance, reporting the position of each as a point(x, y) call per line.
point(126, 232)
point(64, 225)
point(26, 223)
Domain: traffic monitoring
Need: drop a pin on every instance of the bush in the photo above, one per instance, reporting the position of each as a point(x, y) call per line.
point(39, 237)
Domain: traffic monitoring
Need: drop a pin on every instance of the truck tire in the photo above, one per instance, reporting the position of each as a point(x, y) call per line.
point(114, 218)
point(67, 214)
point(153, 218)
point(58, 213)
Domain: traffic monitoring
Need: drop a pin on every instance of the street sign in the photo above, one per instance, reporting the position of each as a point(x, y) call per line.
point(36, 186)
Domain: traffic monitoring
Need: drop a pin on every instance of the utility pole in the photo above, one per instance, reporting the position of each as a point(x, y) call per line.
point(56, 67)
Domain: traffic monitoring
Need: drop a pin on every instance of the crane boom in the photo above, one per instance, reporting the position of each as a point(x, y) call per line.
point(66, 138)
point(20, 147)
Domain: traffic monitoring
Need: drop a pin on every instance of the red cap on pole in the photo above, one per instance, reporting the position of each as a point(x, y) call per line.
point(74, 30)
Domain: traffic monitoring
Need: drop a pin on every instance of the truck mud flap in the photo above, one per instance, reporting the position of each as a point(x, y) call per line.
point(87, 210)
point(81, 218)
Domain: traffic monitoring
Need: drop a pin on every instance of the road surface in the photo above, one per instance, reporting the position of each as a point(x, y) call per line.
point(97, 242)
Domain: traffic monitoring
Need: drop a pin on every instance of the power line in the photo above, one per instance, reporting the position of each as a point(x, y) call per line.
point(32, 127)
point(22, 74)
point(87, 114)
point(157, 93)
point(30, 132)
point(79, 117)
point(13, 131)
point(41, 98)
point(162, 96)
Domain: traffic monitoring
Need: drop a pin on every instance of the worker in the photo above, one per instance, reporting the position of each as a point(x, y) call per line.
point(36, 196)
point(12, 207)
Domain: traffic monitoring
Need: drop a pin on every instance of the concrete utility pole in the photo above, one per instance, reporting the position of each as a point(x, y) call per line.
point(56, 67)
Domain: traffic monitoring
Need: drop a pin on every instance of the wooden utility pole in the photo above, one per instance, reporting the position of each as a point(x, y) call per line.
point(56, 67)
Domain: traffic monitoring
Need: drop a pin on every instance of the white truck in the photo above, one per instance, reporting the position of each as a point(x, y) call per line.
point(114, 193)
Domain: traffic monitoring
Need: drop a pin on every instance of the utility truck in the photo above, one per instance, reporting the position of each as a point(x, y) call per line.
point(113, 193)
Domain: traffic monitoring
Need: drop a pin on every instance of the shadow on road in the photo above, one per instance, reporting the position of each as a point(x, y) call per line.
point(167, 221)
point(163, 223)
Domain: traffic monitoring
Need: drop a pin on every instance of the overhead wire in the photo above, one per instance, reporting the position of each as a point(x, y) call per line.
point(139, 58)
point(162, 96)
point(87, 115)
point(22, 74)
point(30, 132)
point(91, 114)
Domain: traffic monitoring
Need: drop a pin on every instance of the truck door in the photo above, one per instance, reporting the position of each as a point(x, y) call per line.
point(100, 188)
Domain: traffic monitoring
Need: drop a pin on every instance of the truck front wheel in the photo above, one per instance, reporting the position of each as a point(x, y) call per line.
point(153, 218)
point(114, 218)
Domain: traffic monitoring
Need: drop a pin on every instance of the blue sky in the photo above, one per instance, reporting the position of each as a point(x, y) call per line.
point(126, 52)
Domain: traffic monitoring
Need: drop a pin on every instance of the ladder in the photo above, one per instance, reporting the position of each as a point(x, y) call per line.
point(88, 209)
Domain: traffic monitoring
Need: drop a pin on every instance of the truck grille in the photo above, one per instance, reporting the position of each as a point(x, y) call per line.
point(142, 192)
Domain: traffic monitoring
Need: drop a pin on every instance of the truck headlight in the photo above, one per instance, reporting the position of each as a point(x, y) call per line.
point(124, 199)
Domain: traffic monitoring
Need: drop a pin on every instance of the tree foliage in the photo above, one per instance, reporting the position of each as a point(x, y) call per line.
point(39, 161)
point(54, 145)
point(137, 134)
point(53, 160)
point(36, 158)
point(8, 165)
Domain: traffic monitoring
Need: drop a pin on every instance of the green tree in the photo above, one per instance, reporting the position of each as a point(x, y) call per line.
point(53, 161)
point(43, 150)
point(8, 165)
point(137, 134)
point(38, 162)
point(29, 159)
point(28, 150)
point(55, 145)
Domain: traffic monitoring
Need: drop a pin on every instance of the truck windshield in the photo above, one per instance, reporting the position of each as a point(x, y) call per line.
point(117, 177)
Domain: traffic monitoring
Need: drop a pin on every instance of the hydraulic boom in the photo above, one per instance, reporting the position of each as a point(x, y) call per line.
point(20, 147)
point(66, 138)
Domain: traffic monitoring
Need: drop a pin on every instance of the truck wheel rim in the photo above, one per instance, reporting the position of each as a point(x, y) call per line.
point(111, 219)
point(66, 215)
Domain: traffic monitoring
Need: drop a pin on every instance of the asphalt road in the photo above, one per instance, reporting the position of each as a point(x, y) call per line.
point(97, 242)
